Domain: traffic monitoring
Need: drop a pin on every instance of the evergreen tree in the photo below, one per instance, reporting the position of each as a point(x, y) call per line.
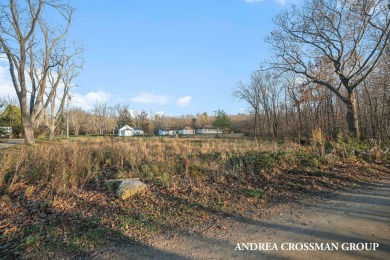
point(222, 121)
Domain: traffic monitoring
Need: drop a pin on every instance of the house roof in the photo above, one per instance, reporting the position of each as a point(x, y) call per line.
point(207, 127)
point(126, 127)
point(186, 128)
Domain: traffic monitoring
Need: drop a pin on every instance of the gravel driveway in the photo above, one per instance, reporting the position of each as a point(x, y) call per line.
point(10, 142)
point(349, 225)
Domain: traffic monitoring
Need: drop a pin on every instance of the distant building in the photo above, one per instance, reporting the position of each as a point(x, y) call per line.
point(129, 131)
point(207, 129)
point(167, 132)
point(186, 131)
point(126, 131)
point(138, 131)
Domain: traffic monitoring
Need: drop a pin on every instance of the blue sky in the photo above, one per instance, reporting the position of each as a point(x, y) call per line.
point(173, 56)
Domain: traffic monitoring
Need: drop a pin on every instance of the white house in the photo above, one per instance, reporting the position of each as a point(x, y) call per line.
point(126, 131)
point(138, 131)
point(186, 131)
point(129, 131)
point(207, 130)
point(167, 132)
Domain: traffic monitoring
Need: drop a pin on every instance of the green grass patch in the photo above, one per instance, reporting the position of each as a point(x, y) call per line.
point(254, 193)
point(89, 239)
point(31, 238)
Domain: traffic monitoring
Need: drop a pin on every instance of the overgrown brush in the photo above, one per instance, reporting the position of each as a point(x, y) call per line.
point(348, 148)
point(66, 164)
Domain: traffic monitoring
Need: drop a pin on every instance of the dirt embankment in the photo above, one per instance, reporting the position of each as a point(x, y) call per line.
point(347, 219)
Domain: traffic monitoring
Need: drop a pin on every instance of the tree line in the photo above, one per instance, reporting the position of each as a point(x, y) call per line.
point(328, 69)
point(107, 120)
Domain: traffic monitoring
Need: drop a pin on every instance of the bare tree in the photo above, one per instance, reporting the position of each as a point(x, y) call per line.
point(203, 120)
point(3, 104)
point(262, 95)
point(24, 36)
point(101, 115)
point(250, 93)
point(77, 117)
point(122, 115)
point(141, 120)
point(348, 35)
point(159, 122)
point(60, 83)
point(269, 90)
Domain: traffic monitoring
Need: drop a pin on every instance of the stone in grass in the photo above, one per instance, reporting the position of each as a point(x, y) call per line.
point(126, 188)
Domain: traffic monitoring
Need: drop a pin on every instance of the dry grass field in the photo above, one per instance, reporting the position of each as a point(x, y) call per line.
point(54, 199)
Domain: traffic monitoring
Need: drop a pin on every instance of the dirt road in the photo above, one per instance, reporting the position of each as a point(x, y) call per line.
point(346, 223)
point(10, 142)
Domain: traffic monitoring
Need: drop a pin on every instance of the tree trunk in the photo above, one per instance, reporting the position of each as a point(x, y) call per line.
point(28, 128)
point(351, 115)
point(255, 127)
point(51, 132)
point(300, 124)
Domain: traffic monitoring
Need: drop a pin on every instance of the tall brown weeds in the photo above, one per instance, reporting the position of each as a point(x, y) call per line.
point(65, 164)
